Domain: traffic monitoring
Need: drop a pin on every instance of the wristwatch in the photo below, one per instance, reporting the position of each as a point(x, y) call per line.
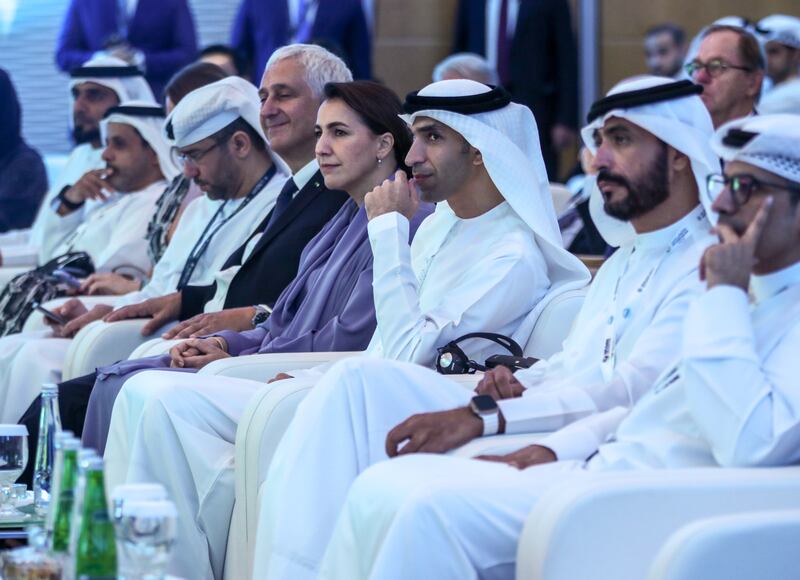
point(262, 313)
point(60, 199)
point(485, 408)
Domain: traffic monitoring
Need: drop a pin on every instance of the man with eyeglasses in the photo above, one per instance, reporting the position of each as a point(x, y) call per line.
point(730, 67)
point(782, 36)
point(732, 400)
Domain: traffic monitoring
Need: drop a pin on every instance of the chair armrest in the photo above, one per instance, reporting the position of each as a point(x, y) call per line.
point(748, 545)
point(101, 343)
point(618, 521)
point(262, 367)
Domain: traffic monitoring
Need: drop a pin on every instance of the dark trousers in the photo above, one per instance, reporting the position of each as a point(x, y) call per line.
point(73, 400)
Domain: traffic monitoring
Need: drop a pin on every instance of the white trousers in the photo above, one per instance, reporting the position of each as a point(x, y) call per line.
point(179, 430)
point(26, 361)
point(435, 516)
point(339, 431)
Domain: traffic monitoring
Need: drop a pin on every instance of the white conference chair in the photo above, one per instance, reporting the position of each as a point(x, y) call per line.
point(272, 407)
point(743, 546)
point(612, 525)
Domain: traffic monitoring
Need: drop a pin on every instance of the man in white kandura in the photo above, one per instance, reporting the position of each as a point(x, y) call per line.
point(241, 188)
point(483, 261)
point(732, 399)
point(101, 83)
point(618, 345)
point(781, 34)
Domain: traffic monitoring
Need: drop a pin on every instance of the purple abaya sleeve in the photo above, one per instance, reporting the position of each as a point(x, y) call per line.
point(352, 329)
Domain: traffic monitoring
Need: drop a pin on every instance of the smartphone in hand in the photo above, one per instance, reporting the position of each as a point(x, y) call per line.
point(49, 315)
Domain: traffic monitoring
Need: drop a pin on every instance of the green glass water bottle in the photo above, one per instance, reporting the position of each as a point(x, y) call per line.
point(64, 490)
point(96, 551)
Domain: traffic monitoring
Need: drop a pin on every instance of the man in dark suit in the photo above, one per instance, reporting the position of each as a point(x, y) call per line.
point(536, 60)
point(268, 261)
point(158, 36)
point(261, 26)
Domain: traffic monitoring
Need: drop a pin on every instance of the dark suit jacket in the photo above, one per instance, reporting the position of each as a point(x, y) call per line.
point(274, 261)
point(162, 29)
point(261, 26)
point(544, 62)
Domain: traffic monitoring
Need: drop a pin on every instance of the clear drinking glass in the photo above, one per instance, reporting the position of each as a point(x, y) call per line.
point(146, 532)
point(13, 460)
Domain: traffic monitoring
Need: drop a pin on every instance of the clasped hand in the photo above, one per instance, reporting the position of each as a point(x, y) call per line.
point(196, 353)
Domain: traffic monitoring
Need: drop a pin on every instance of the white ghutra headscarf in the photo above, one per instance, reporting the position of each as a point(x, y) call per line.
point(681, 121)
point(507, 136)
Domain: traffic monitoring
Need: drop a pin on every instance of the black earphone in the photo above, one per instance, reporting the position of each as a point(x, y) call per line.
point(451, 360)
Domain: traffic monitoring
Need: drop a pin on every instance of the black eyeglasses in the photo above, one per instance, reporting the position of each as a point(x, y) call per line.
point(742, 187)
point(194, 157)
point(714, 68)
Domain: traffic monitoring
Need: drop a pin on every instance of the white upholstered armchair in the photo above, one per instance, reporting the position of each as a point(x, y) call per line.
point(271, 409)
point(614, 525)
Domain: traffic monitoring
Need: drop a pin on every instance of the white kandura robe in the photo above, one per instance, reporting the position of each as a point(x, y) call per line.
point(358, 401)
point(735, 403)
point(22, 247)
point(782, 98)
point(459, 276)
point(27, 360)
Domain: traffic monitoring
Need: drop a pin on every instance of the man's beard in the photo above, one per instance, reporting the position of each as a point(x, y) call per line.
point(81, 136)
point(644, 194)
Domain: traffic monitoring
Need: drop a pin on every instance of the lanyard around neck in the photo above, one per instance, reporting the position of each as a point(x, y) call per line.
point(208, 234)
point(608, 361)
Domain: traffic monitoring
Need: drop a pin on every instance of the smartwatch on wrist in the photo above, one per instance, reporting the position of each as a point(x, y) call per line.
point(262, 313)
point(60, 199)
point(485, 408)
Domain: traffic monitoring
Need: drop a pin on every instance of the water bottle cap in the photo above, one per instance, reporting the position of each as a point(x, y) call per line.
point(70, 444)
point(12, 430)
point(139, 492)
point(64, 434)
point(49, 389)
point(93, 463)
point(85, 453)
point(149, 509)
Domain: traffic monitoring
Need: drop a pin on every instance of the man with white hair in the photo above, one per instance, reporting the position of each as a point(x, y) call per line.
point(649, 139)
point(782, 36)
point(101, 83)
point(465, 65)
point(732, 399)
point(472, 153)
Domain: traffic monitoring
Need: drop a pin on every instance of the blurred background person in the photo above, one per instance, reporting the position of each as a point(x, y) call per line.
point(229, 60)
point(532, 47)
point(665, 49)
point(730, 67)
point(261, 26)
point(466, 65)
point(158, 36)
point(781, 34)
point(23, 179)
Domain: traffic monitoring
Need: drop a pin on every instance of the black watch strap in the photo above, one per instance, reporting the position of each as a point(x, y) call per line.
point(62, 200)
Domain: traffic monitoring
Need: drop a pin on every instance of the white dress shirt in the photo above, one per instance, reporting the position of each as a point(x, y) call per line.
point(29, 246)
point(732, 400)
point(459, 276)
point(657, 281)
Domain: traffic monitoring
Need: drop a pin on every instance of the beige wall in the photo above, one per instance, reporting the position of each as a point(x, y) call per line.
point(411, 36)
point(625, 21)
